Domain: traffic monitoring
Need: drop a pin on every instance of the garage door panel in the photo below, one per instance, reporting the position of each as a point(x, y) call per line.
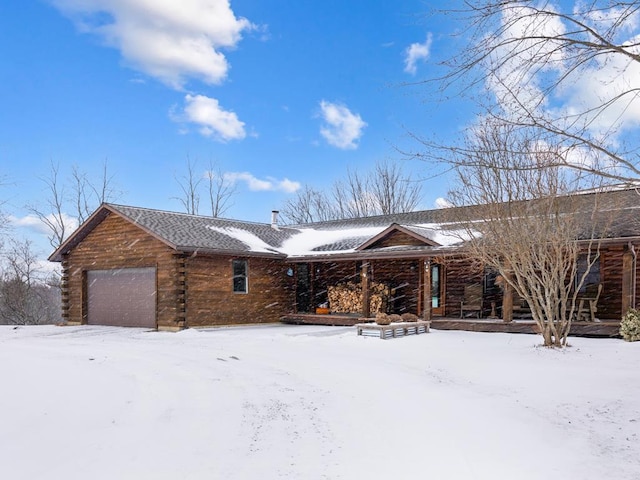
point(122, 297)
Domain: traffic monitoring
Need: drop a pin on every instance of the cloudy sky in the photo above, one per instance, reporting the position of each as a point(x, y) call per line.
point(277, 93)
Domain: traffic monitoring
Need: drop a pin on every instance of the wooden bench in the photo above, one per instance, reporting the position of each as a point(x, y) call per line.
point(393, 330)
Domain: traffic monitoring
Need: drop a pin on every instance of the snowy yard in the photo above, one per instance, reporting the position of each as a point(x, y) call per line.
point(303, 402)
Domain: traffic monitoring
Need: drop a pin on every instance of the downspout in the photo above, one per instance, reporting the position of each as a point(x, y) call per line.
point(634, 279)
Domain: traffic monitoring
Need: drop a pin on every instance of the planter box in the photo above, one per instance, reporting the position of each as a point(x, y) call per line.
point(394, 330)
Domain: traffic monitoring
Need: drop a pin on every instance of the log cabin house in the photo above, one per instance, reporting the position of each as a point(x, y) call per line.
point(133, 266)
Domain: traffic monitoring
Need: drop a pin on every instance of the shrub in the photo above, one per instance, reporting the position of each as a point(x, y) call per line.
point(409, 317)
point(382, 318)
point(395, 318)
point(630, 325)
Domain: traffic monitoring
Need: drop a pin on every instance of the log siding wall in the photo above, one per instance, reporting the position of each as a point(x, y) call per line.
point(212, 301)
point(403, 277)
point(611, 272)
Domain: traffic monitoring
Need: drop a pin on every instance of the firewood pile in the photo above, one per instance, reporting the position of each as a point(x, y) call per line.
point(347, 297)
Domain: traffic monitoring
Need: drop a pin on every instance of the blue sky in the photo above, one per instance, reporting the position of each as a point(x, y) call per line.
point(279, 94)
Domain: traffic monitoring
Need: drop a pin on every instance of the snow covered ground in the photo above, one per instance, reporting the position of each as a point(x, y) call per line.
point(300, 402)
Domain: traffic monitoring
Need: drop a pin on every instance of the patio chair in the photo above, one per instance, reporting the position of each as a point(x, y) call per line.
point(472, 301)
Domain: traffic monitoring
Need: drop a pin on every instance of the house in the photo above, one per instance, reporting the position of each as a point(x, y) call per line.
point(135, 266)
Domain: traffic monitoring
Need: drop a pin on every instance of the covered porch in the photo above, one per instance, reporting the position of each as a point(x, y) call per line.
point(449, 292)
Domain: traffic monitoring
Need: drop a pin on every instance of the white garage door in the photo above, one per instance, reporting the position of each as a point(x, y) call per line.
point(123, 297)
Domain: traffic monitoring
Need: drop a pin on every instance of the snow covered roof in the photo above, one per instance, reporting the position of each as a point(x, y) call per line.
point(195, 233)
point(432, 231)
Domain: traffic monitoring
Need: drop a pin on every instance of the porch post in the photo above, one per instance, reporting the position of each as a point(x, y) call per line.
point(426, 265)
point(507, 301)
point(627, 281)
point(366, 294)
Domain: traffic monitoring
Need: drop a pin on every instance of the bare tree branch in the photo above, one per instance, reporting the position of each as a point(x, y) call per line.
point(221, 190)
point(385, 190)
point(69, 204)
point(189, 183)
point(523, 60)
point(52, 214)
point(24, 297)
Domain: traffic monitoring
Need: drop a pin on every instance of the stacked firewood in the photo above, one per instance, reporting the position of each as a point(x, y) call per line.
point(347, 297)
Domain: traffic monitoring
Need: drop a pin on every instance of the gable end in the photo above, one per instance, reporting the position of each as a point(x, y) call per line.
point(397, 236)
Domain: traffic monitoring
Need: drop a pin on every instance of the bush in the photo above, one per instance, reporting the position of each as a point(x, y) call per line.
point(395, 318)
point(409, 317)
point(630, 325)
point(382, 319)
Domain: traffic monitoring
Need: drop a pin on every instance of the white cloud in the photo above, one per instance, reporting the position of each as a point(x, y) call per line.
point(35, 224)
point(212, 120)
point(342, 128)
point(518, 62)
point(167, 39)
point(605, 81)
point(288, 186)
point(417, 52)
point(269, 184)
point(443, 203)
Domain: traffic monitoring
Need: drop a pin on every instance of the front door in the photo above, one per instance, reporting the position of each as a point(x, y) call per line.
point(437, 289)
point(303, 288)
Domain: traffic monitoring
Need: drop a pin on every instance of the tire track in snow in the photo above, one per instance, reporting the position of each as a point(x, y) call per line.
point(280, 418)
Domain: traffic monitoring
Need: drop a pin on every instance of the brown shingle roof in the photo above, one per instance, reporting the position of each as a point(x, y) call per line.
point(619, 209)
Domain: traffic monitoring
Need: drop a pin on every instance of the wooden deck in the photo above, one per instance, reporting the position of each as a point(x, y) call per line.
point(332, 319)
point(578, 329)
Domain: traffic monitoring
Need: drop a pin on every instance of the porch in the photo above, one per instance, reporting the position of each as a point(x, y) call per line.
point(578, 329)
point(453, 293)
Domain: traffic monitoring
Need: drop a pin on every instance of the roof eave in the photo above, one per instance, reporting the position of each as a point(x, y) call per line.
point(195, 251)
point(368, 255)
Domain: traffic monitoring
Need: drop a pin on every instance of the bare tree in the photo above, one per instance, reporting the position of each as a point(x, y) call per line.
point(568, 72)
point(70, 203)
point(393, 190)
point(87, 194)
point(53, 214)
point(385, 190)
point(525, 223)
point(354, 197)
point(220, 189)
point(309, 205)
point(189, 184)
point(25, 298)
point(4, 220)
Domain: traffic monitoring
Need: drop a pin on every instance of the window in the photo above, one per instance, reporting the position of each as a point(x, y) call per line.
point(436, 293)
point(240, 276)
point(593, 276)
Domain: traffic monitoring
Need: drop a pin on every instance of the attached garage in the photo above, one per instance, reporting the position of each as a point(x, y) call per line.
point(137, 267)
point(124, 297)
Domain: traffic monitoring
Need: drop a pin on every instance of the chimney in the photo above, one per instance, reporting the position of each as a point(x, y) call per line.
point(274, 219)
